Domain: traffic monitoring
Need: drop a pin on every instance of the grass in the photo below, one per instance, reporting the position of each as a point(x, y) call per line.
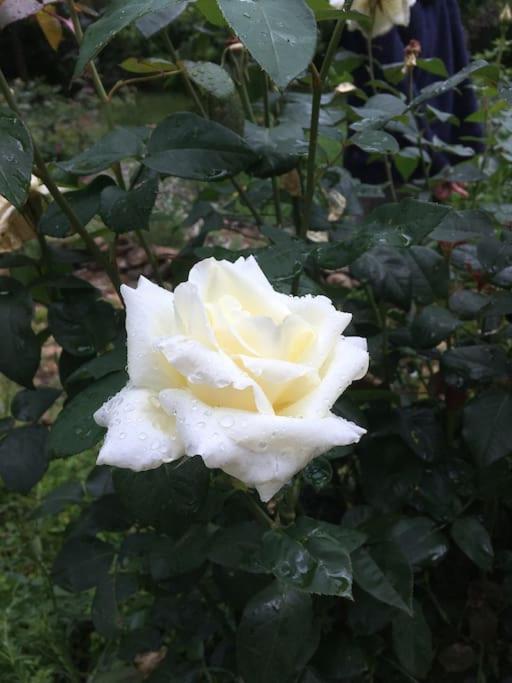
point(35, 622)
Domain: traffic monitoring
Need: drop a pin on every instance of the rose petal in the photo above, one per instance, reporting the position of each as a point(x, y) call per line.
point(263, 451)
point(327, 322)
point(140, 436)
point(349, 363)
point(191, 315)
point(282, 382)
point(149, 315)
point(213, 376)
point(244, 280)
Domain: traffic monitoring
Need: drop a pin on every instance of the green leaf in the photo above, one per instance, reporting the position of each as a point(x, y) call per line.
point(123, 210)
point(430, 274)
point(82, 564)
point(82, 325)
point(188, 146)
point(147, 65)
point(468, 304)
point(474, 540)
point(280, 148)
point(458, 226)
point(387, 271)
point(74, 431)
point(23, 458)
point(69, 493)
point(169, 558)
point(441, 87)
point(104, 611)
point(433, 65)
point(419, 540)
point(413, 220)
point(154, 497)
point(375, 142)
point(412, 642)
point(313, 556)
point(379, 109)
point(480, 363)
point(118, 15)
point(432, 326)
point(211, 12)
point(385, 573)
point(281, 36)
point(341, 658)
point(85, 203)
point(119, 144)
point(211, 78)
point(421, 430)
point(407, 161)
point(239, 547)
point(111, 590)
point(275, 634)
point(29, 405)
point(100, 366)
point(20, 350)
point(16, 159)
point(152, 23)
point(488, 426)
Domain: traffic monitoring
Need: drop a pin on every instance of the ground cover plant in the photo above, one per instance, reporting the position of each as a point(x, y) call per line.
point(386, 560)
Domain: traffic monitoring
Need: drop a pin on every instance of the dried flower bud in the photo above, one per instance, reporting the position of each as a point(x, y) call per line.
point(291, 183)
point(506, 14)
point(345, 87)
point(233, 44)
point(411, 54)
point(337, 206)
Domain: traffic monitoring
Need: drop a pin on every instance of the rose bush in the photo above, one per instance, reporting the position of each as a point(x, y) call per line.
point(231, 370)
point(387, 559)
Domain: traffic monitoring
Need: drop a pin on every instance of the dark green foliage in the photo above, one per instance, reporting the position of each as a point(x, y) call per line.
point(385, 561)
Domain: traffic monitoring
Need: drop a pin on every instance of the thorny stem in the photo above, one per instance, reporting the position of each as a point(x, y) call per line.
point(419, 137)
point(268, 124)
point(106, 99)
point(371, 69)
point(242, 88)
point(57, 195)
point(318, 80)
point(186, 78)
point(139, 79)
point(245, 198)
point(313, 144)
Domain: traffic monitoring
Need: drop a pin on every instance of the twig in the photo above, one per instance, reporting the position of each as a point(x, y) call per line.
point(268, 124)
point(318, 80)
point(245, 198)
point(139, 79)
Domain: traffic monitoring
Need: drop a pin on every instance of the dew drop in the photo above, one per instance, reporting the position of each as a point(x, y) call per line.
point(226, 422)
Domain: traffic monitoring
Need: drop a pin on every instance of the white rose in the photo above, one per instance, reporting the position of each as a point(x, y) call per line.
point(388, 13)
point(229, 369)
point(337, 4)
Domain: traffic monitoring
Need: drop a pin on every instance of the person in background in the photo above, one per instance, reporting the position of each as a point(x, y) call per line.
point(435, 28)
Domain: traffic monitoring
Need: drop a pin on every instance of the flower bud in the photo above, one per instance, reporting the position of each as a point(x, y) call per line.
point(411, 54)
point(344, 88)
point(506, 14)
